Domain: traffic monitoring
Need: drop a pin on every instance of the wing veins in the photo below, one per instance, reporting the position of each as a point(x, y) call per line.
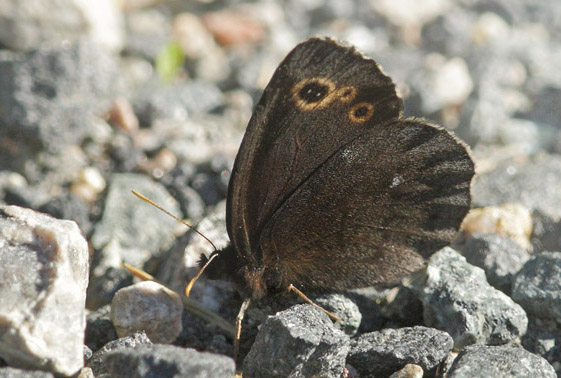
point(372, 227)
point(302, 182)
point(281, 129)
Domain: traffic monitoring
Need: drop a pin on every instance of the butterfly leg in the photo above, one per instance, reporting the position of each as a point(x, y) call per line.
point(292, 288)
point(238, 333)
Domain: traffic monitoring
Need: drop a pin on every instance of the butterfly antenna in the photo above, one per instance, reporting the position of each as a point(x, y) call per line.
point(192, 282)
point(173, 216)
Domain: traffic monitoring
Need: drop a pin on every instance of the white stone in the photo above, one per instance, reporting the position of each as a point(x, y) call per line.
point(27, 24)
point(147, 306)
point(449, 81)
point(410, 12)
point(490, 27)
point(44, 264)
point(93, 178)
point(452, 82)
point(511, 219)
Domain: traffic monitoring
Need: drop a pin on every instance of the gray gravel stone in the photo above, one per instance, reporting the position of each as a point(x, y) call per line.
point(535, 184)
point(51, 96)
point(546, 233)
point(130, 230)
point(167, 361)
point(97, 363)
point(481, 361)
point(9, 372)
point(176, 101)
point(298, 342)
point(500, 257)
point(44, 265)
point(537, 287)
point(382, 353)
point(342, 307)
point(458, 299)
point(544, 338)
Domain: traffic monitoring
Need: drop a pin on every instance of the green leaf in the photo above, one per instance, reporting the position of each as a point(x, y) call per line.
point(169, 61)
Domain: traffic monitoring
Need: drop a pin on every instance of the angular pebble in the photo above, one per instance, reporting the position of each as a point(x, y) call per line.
point(44, 264)
point(537, 287)
point(546, 234)
point(544, 338)
point(458, 300)
point(409, 371)
point(382, 353)
point(165, 361)
point(96, 362)
point(298, 342)
point(482, 361)
point(344, 308)
point(500, 257)
point(147, 306)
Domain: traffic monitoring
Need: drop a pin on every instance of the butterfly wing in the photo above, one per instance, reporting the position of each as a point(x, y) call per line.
point(300, 122)
point(380, 204)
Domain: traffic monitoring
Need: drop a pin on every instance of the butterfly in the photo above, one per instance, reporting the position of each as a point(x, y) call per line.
point(332, 188)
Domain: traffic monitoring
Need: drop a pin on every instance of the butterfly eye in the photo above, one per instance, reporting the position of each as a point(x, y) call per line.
point(314, 93)
point(361, 112)
point(346, 94)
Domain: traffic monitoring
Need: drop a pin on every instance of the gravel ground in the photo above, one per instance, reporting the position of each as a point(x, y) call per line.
point(154, 96)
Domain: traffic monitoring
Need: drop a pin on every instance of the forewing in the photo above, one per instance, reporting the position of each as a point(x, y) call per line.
point(372, 212)
point(301, 120)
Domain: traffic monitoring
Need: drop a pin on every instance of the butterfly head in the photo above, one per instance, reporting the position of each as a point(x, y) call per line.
point(223, 264)
point(226, 264)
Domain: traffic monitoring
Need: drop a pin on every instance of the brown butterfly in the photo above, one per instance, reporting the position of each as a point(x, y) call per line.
point(332, 188)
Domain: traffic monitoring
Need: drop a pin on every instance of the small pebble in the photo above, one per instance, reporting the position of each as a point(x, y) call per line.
point(457, 298)
point(122, 115)
point(482, 361)
point(511, 220)
point(537, 287)
point(147, 306)
point(233, 27)
point(409, 371)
